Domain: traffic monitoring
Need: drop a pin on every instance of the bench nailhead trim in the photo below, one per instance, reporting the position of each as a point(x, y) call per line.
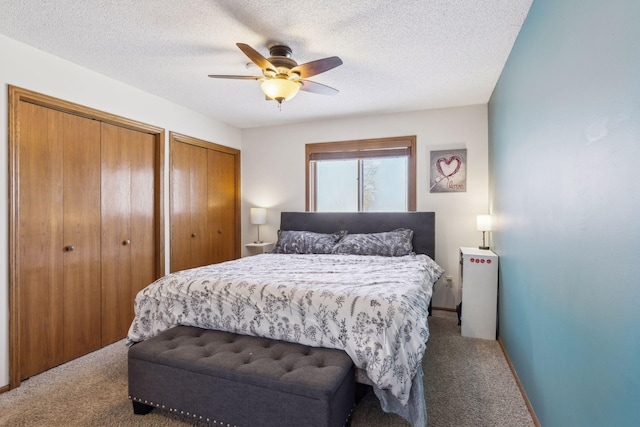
point(158, 405)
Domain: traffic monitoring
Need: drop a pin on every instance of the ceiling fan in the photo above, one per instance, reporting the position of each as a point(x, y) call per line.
point(282, 77)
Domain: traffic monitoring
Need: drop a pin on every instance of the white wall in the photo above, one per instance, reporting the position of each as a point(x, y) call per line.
point(273, 173)
point(35, 70)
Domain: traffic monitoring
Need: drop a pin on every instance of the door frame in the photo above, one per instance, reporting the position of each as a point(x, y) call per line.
point(16, 96)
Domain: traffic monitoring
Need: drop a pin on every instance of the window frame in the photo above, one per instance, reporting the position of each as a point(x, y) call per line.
point(363, 148)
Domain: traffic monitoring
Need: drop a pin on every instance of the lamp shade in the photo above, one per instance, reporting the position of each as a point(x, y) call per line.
point(258, 216)
point(280, 89)
point(483, 222)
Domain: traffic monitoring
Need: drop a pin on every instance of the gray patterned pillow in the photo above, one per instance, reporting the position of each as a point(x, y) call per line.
point(306, 242)
point(390, 243)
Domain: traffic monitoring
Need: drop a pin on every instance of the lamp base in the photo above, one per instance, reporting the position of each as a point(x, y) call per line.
point(258, 241)
point(483, 247)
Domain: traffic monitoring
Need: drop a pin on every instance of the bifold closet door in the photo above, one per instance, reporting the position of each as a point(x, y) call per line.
point(128, 233)
point(58, 243)
point(190, 229)
point(222, 196)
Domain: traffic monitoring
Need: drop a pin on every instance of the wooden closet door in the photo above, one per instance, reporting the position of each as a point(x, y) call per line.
point(81, 236)
point(201, 253)
point(128, 225)
point(143, 215)
point(116, 231)
point(222, 204)
point(190, 232)
point(58, 248)
point(180, 206)
point(40, 242)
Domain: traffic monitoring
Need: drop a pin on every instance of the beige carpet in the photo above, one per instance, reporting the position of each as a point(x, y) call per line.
point(467, 383)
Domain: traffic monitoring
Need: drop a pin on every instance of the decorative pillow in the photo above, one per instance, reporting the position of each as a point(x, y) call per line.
point(390, 243)
point(306, 242)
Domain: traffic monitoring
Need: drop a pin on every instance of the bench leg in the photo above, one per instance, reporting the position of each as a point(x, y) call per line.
point(141, 408)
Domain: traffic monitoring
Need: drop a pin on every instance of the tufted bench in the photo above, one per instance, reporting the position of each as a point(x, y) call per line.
point(237, 380)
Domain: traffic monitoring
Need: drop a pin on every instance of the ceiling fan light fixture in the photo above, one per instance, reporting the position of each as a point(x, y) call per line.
point(282, 77)
point(280, 89)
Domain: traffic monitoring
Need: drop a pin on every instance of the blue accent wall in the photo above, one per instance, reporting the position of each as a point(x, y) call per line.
point(564, 161)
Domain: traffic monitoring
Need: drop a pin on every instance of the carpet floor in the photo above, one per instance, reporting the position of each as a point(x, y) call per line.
point(467, 383)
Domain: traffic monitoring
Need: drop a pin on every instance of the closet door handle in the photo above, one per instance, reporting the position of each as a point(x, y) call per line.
point(194, 235)
point(126, 242)
point(69, 248)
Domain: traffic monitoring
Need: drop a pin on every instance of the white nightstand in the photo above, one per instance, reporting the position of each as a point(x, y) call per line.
point(260, 248)
point(479, 282)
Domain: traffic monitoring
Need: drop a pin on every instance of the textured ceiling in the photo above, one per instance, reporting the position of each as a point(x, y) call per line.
point(398, 55)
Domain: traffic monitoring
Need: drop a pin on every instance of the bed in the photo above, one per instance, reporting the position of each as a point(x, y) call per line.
point(373, 307)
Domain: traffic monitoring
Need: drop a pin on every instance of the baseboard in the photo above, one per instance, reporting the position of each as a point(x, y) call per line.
point(4, 389)
point(524, 394)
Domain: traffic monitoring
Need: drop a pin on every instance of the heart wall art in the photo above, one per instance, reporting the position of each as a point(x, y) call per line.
point(448, 171)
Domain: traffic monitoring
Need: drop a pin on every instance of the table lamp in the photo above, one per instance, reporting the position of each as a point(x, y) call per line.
point(483, 223)
point(258, 216)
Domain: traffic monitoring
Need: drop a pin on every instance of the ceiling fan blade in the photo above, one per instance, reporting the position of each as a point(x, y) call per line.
point(318, 66)
point(313, 87)
point(257, 59)
point(224, 76)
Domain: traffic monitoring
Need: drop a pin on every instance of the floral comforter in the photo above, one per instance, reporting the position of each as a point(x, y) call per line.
point(374, 308)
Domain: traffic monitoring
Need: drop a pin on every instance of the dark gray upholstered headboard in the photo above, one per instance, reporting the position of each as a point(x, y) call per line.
point(422, 224)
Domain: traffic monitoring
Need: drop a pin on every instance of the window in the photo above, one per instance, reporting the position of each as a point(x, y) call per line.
point(366, 175)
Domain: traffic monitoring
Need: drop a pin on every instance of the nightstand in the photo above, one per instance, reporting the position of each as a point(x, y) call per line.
point(260, 248)
point(479, 282)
